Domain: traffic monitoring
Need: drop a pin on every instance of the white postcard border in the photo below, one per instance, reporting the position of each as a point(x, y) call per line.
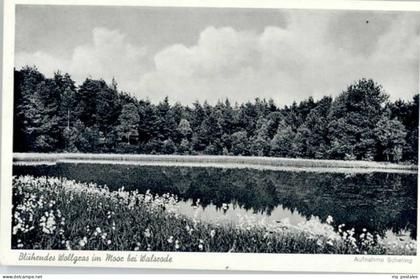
point(181, 260)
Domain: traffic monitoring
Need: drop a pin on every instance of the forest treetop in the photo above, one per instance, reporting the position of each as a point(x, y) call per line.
point(361, 123)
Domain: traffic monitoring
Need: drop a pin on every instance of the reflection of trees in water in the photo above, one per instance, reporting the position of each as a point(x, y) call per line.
point(376, 201)
point(251, 193)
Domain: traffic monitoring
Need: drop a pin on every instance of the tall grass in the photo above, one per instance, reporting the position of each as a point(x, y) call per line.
point(204, 159)
point(53, 213)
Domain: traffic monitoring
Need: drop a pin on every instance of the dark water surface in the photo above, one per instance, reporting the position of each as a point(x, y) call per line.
point(377, 201)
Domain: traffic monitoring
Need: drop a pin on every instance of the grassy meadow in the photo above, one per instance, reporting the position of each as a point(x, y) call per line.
point(53, 213)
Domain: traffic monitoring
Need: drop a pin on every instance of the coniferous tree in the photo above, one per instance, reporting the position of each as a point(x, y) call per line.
point(168, 146)
point(148, 115)
point(312, 136)
point(260, 142)
point(128, 122)
point(283, 142)
point(66, 89)
point(240, 143)
point(184, 147)
point(354, 115)
point(184, 128)
point(390, 135)
point(53, 115)
point(408, 114)
point(165, 121)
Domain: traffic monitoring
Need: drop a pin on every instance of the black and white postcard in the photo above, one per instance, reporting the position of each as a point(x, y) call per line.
point(217, 135)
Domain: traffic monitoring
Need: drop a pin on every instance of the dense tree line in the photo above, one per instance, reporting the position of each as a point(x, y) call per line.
point(55, 115)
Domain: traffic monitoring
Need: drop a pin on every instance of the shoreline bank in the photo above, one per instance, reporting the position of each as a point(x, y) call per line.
point(263, 163)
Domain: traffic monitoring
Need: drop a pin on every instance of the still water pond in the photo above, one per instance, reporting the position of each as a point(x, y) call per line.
point(379, 202)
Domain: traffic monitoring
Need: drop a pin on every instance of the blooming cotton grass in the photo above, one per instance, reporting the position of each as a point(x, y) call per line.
point(55, 213)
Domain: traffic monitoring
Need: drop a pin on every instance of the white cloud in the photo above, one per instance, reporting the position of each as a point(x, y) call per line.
point(45, 62)
point(305, 58)
point(108, 55)
point(208, 57)
point(285, 64)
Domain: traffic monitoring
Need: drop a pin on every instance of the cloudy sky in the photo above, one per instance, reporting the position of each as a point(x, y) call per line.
point(202, 54)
